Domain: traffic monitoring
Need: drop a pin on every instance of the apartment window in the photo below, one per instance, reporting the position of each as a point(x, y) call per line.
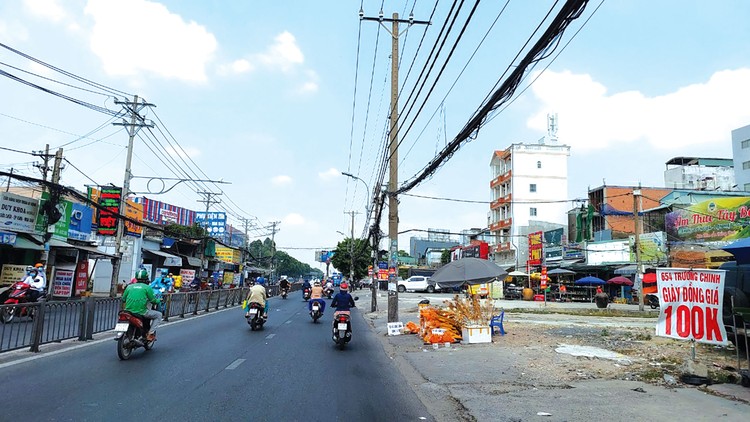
point(747, 187)
point(539, 164)
point(746, 144)
point(746, 165)
point(532, 212)
point(532, 187)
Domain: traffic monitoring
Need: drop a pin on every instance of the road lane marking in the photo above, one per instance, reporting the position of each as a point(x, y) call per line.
point(270, 336)
point(288, 322)
point(234, 364)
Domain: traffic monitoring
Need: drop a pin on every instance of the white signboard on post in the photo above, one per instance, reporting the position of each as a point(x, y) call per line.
point(691, 304)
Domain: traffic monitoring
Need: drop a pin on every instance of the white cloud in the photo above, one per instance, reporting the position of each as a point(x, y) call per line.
point(283, 55)
point(590, 118)
point(281, 180)
point(46, 9)
point(13, 31)
point(329, 174)
point(40, 69)
point(162, 43)
point(293, 219)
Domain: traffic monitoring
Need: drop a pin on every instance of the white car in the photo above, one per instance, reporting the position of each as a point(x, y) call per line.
point(416, 283)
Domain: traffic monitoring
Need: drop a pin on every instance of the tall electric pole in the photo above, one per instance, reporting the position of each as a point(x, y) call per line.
point(48, 256)
point(351, 248)
point(637, 243)
point(209, 198)
point(393, 163)
point(136, 123)
point(273, 246)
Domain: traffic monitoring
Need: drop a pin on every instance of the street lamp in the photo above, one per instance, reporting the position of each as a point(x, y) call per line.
point(373, 291)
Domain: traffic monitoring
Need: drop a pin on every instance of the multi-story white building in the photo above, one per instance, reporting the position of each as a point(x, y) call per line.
point(741, 157)
point(529, 183)
point(700, 173)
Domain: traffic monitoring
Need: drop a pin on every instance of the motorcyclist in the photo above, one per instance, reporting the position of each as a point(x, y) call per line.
point(329, 285)
point(36, 284)
point(343, 301)
point(161, 282)
point(259, 295)
point(316, 295)
point(284, 284)
point(305, 286)
point(137, 296)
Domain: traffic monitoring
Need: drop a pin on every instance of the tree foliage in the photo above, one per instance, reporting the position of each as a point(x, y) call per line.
point(178, 231)
point(362, 253)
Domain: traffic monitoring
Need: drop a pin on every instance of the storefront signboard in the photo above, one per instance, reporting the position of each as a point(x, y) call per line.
point(18, 213)
point(228, 255)
point(62, 285)
point(214, 222)
point(187, 276)
point(133, 211)
point(12, 273)
point(711, 220)
point(82, 277)
point(80, 222)
point(109, 199)
point(653, 248)
point(7, 238)
point(691, 305)
point(535, 248)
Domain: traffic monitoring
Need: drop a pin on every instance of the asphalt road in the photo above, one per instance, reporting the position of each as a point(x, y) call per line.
point(215, 368)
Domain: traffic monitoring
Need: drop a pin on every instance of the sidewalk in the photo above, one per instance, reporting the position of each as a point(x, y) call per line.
point(523, 376)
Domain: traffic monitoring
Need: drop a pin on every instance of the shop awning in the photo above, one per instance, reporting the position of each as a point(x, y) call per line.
point(191, 261)
point(92, 250)
point(626, 270)
point(22, 243)
point(169, 259)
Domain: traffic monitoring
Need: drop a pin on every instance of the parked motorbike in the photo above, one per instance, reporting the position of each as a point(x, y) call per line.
point(652, 301)
point(342, 329)
point(306, 294)
point(130, 333)
point(316, 311)
point(284, 292)
point(255, 317)
point(18, 294)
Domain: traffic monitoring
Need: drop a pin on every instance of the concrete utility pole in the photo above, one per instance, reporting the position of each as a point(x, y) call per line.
point(208, 199)
point(638, 269)
point(136, 123)
point(351, 247)
point(273, 246)
point(44, 168)
point(393, 164)
point(48, 256)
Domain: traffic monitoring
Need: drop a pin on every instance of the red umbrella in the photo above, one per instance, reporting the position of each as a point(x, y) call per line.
point(620, 280)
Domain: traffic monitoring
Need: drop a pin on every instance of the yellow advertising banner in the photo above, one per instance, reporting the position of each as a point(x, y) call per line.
point(94, 195)
point(12, 273)
point(228, 255)
point(133, 211)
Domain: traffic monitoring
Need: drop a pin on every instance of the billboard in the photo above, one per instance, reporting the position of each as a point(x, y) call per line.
point(535, 248)
point(653, 248)
point(162, 213)
point(134, 211)
point(715, 219)
point(109, 200)
point(214, 222)
point(228, 255)
point(17, 213)
point(80, 222)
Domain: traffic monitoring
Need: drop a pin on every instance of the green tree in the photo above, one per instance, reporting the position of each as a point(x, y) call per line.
point(178, 231)
point(445, 257)
point(362, 257)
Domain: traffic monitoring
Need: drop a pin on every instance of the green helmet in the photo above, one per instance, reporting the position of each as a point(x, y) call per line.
point(141, 274)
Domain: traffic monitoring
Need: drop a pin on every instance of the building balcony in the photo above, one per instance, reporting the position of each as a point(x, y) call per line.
point(501, 247)
point(501, 201)
point(500, 225)
point(500, 179)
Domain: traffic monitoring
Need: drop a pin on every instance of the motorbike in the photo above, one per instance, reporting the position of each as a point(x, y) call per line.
point(18, 294)
point(254, 316)
point(328, 292)
point(284, 292)
point(306, 294)
point(316, 312)
point(159, 294)
point(342, 329)
point(130, 333)
point(652, 301)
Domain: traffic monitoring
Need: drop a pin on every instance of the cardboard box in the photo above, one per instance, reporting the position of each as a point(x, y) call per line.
point(476, 334)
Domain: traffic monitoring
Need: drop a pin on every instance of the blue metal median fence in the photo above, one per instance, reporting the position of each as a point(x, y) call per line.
point(54, 321)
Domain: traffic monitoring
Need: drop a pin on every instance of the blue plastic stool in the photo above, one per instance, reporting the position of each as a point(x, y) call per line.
point(497, 321)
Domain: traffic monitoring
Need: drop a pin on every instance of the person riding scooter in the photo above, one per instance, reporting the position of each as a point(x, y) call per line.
point(328, 289)
point(343, 301)
point(36, 284)
point(137, 296)
point(317, 296)
point(259, 295)
point(284, 284)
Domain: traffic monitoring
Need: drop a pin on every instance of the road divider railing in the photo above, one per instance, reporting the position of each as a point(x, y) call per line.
point(33, 324)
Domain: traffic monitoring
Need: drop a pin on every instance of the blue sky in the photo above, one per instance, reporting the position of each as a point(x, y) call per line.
point(261, 94)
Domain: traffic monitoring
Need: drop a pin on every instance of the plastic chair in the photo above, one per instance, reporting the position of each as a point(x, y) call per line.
point(497, 321)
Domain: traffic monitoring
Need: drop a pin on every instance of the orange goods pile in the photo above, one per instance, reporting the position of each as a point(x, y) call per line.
point(431, 318)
